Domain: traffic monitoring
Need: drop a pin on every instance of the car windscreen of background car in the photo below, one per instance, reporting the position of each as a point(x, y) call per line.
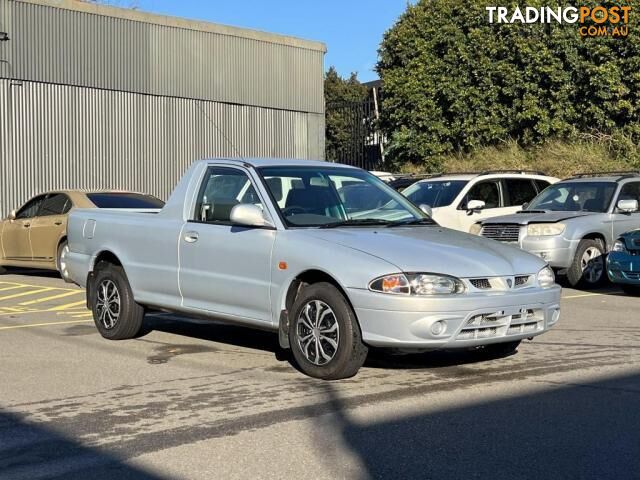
point(124, 200)
point(575, 197)
point(434, 193)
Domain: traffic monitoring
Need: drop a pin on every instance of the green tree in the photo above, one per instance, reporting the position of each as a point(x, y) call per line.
point(342, 97)
point(453, 82)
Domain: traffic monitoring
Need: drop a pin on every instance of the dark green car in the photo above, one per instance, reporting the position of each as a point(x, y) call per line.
point(623, 262)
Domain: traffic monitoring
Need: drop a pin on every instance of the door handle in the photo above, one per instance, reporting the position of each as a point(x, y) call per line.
point(26, 225)
point(191, 237)
point(57, 223)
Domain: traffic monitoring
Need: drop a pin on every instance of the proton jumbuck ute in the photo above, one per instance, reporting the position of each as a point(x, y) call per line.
point(277, 244)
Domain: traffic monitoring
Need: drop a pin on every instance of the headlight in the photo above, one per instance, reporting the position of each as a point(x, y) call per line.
point(417, 284)
point(546, 277)
point(619, 246)
point(545, 229)
point(475, 229)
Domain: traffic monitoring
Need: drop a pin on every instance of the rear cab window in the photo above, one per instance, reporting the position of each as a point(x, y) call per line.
point(124, 200)
point(519, 191)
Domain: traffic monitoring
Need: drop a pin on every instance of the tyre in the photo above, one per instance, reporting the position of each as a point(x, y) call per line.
point(497, 350)
point(324, 334)
point(61, 262)
point(116, 315)
point(631, 289)
point(588, 267)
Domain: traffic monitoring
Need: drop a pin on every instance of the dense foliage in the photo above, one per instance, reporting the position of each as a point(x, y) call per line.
point(453, 82)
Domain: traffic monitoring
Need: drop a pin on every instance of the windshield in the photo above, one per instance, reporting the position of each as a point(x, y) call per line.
point(322, 196)
point(434, 193)
point(575, 197)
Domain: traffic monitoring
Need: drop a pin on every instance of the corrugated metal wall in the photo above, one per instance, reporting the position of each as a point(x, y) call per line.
point(77, 48)
point(88, 101)
point(58, 136)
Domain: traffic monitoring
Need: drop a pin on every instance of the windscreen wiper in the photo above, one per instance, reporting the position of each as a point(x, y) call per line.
point(415, 221)
point(365, 222)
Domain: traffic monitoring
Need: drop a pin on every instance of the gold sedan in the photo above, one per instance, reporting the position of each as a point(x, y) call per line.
point(35, 236)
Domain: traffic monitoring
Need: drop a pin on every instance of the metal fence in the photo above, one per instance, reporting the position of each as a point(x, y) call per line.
point(352, 135)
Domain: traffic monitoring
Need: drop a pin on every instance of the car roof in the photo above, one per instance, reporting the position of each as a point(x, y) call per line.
point(278, 162)
point(488, 175)
point(597, 179)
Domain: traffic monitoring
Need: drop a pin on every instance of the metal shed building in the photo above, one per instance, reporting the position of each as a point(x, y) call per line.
point(93, 96)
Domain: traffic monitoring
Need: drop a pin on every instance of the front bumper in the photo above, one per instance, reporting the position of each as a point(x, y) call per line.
point(469, 320)
point(556, 250)
point(623, 268)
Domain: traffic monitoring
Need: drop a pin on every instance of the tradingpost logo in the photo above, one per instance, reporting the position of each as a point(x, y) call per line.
point(599, 21)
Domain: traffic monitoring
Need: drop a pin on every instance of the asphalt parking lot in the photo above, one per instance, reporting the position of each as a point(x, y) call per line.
point(203, 400)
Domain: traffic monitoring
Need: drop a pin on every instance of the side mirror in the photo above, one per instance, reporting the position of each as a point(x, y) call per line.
point(525, 206)
point(12, 215)
point(426, 209)
point(249, 215)
point(475, 206)
point(628, 206)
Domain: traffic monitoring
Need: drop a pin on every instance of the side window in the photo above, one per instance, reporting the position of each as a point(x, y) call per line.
point(55, 204)
point(30, 209)
point(222, 189)
point(488, 192)
point(519, 191)
point(541, 185)
point(630, 191)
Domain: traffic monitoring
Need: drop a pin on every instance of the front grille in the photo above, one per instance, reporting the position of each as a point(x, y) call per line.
point(502, 232)
point(480, 283)
point(521, 280)
point(632, 275)
point(499, 324)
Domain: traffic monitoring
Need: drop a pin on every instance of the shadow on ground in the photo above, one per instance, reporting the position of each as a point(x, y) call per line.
point(587, 431)
point(29, 451)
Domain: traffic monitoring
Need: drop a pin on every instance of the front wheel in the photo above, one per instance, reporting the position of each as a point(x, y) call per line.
point(324, 334)
point(115, 313)
point(588, 266)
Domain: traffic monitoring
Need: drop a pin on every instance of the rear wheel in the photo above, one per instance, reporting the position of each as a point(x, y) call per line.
point(61, 261)
point(324, 334)
point(116, 315)
point(588, 269)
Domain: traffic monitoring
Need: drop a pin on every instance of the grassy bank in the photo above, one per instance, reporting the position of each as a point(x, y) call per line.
point(558, 159)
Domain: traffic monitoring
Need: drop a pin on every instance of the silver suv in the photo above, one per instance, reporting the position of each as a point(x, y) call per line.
point(573, 224)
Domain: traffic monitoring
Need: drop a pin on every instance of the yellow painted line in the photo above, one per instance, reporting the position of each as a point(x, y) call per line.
point(52, 297)
point(40, 286)
point(32, 325)
point(82, 315)
point(15, 287)
point(24, 294)
point(67, 306)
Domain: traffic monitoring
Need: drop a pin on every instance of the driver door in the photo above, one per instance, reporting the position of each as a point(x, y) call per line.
point(487, 191)
point(16, 241)
point(225, 268)
point(624, 222)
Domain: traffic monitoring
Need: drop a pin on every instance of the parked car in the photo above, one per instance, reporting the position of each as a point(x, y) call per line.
point(35, 236)
point(573, 224)
point(401, 182)
point(275, 244)
point(623, 262)
point(459, 200)
point(384, 176)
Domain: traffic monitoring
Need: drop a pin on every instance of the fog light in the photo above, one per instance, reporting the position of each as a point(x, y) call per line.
point(439, 327)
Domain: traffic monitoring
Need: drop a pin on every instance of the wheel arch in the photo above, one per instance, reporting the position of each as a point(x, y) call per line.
point(102, 256)
point(294, 287)
point(596, 236)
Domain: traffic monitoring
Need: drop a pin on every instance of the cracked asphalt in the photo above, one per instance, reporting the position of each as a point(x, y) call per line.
point(193, 399)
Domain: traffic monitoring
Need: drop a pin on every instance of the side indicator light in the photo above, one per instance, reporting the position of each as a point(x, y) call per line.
point(283, 265)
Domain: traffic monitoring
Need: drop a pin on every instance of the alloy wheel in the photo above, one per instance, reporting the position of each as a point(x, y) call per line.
point(62, 262)
point(108, 304)
point(318, 332)
point(592, 264)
